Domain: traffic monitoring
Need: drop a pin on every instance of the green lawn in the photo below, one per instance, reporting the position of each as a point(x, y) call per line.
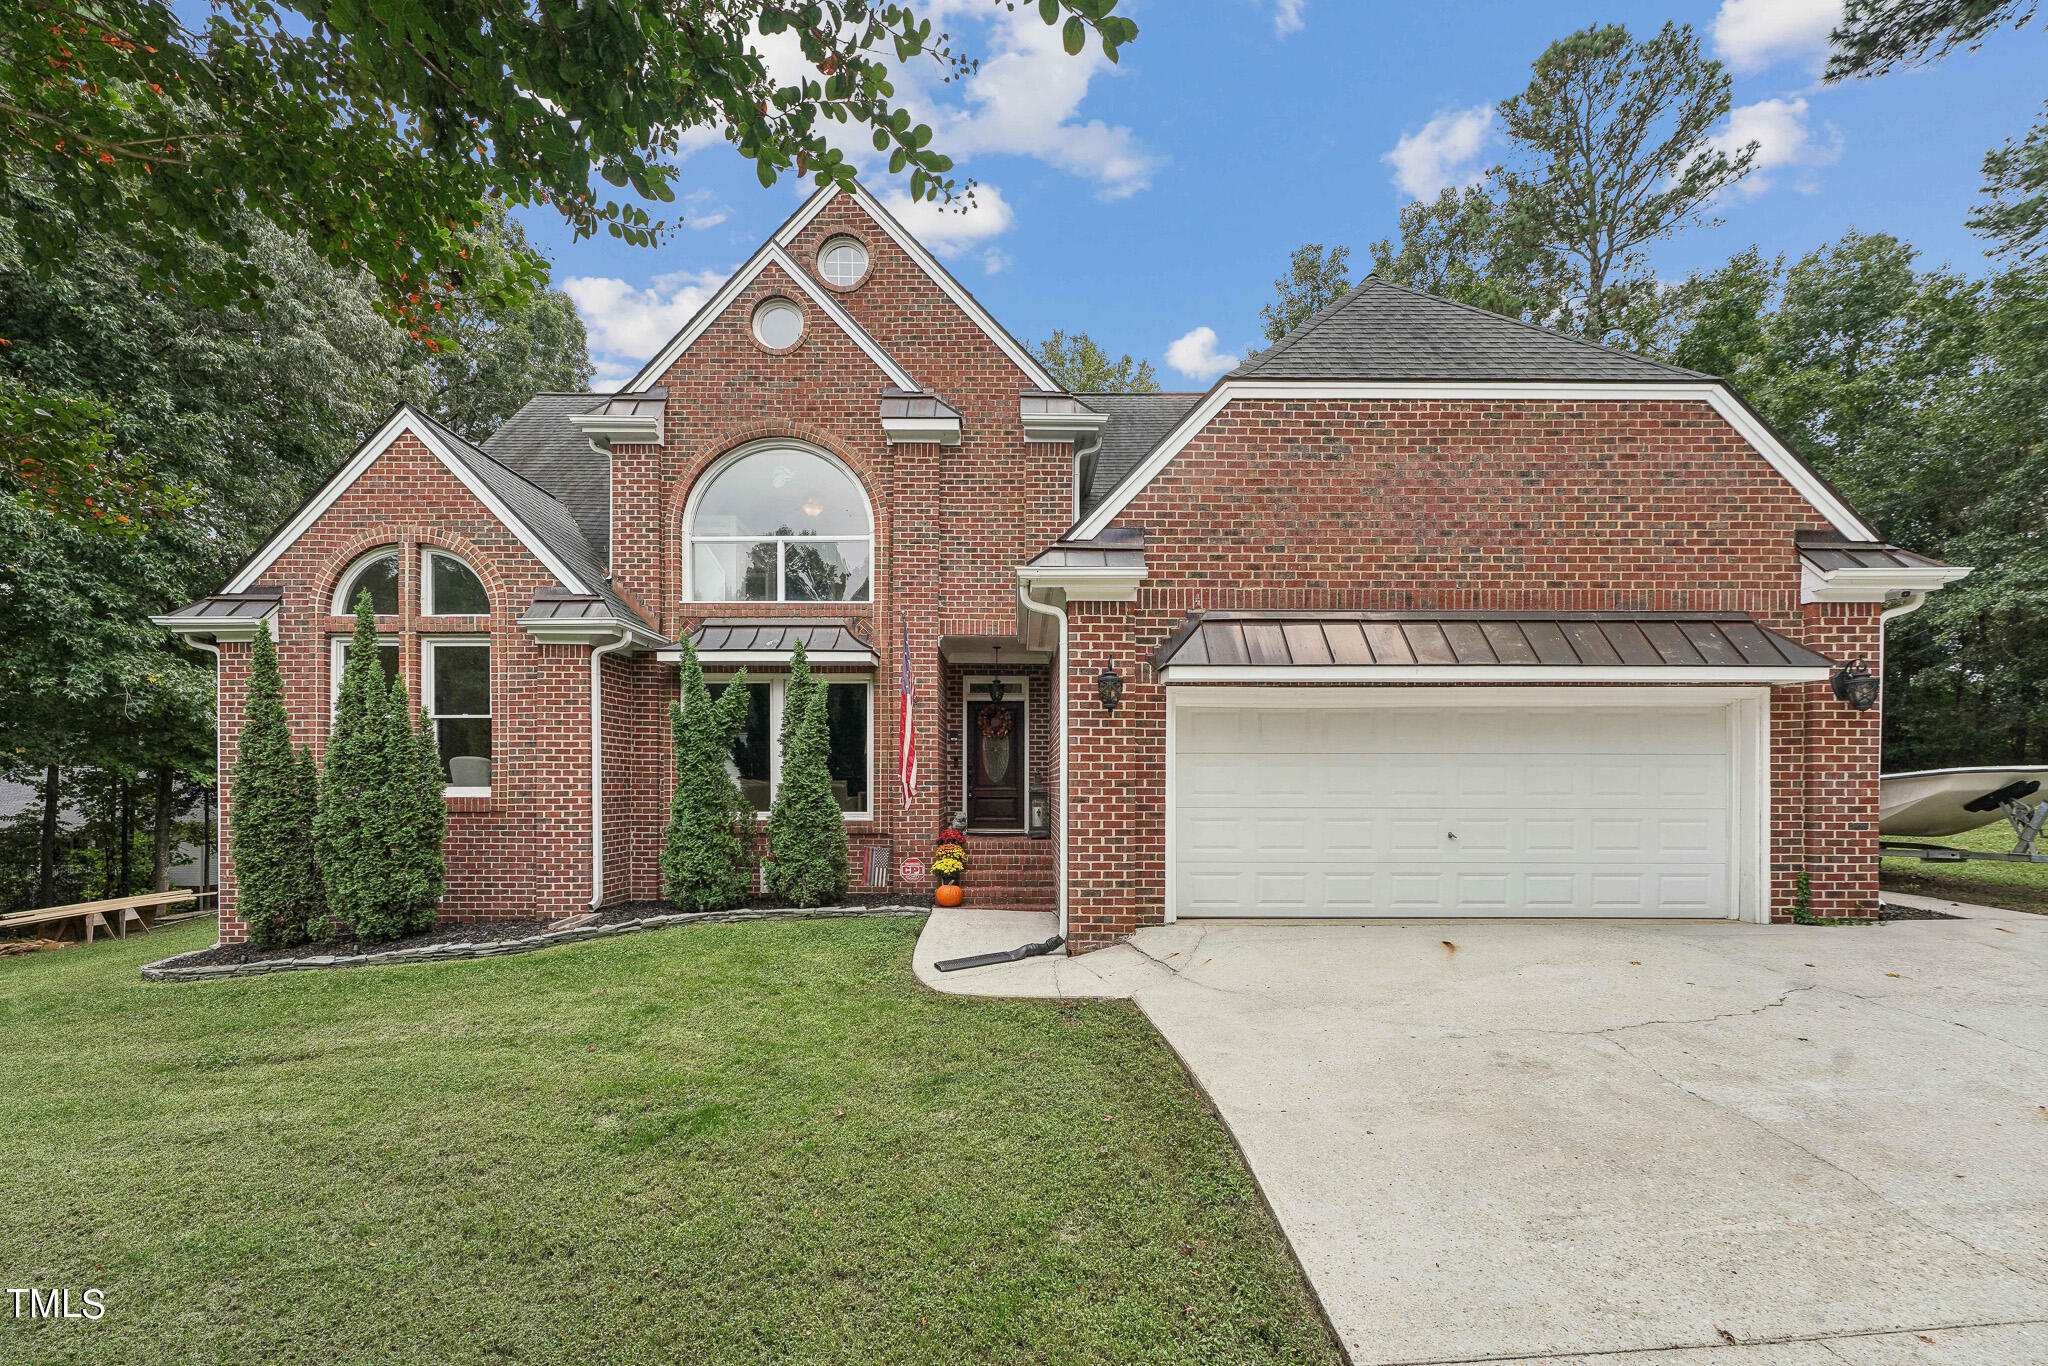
point(2021, 886)
point(731, 1143)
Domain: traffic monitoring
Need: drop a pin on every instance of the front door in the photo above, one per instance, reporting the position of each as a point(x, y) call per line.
point(995, 765)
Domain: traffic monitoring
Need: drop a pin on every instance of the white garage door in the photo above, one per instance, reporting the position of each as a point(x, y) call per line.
point(1425, 811)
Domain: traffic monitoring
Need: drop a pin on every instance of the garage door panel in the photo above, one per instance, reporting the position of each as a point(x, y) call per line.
point(1387, 810)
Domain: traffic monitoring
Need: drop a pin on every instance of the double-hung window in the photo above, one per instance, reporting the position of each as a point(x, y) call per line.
point(387, 655)
point(457, 683)
point(756, 758)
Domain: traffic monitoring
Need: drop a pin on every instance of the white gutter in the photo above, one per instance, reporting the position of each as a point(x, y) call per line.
point(597, 655)
point(1914, 600)
point(1044, 609)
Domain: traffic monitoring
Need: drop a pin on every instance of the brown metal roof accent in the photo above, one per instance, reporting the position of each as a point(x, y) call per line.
point(1116, 548)
point(1590, 640)
point(1826, 551)
point(732, 635)
point(259, 601)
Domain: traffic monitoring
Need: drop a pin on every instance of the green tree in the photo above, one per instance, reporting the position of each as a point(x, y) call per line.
point(277, 880)
point(2014, 213)
point(1611, 152)
point(1877, 35)
point(1314, 280)
point(807, 855)
point(706, 860)
point(355, 820)
point(1082, 367)
point(415, 814)
point(1465, 245)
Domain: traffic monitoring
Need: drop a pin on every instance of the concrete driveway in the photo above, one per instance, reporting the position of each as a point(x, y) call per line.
point(1500, 1141)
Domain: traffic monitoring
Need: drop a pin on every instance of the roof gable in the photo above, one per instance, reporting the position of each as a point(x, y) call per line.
point(529, 512)
point(771, 253)
point(1384, 331)
point(958, 294)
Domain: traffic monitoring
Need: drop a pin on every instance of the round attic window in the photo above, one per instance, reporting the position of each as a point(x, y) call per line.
point(778, 324)
point(843, 262)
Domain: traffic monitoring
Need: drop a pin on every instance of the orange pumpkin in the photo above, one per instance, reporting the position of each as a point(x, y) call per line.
point(947, 895)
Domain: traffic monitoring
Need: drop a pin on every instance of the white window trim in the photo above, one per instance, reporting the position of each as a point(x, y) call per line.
point(337, 661)
point(344, 588)
point(1749, 737)
point(429, 645)
point(968, 684)
point(867, 259)
point(711, 476)
point(428, 608)
point(777, 687)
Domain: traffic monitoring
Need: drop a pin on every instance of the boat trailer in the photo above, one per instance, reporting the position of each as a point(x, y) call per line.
point(2027, 818)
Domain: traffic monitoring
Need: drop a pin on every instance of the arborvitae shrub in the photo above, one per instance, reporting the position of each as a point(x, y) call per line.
point(807, 857)
point(707, 859)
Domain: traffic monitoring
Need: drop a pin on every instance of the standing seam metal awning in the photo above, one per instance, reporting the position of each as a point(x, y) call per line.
point(1629, 644)
point(763, 640)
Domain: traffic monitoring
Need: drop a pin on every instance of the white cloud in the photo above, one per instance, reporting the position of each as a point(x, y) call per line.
point(1785, 142)
point(627, 325)
point(1287, 17)
point(995, 261)
point(1750, 35)
point(1195, 355)
point(702, 210)
point(950, 229)
point(1448, 151)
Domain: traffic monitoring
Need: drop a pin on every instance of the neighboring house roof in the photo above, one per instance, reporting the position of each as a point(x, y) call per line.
point(1384, 331)
point(1471, 640)
point(1136, 424)
point(540, 444)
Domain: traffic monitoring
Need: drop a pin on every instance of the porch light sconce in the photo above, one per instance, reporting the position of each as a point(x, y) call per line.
point(1856, 685)
point(1109, 686)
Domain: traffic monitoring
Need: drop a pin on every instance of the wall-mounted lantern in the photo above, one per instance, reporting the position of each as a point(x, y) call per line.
point(1109, 686)
point(995, 685)
point(1856, 685)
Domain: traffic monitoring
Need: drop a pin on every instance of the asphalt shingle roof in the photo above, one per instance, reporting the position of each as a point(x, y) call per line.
point(1384, 331)
point(541, 446)
point(1137, 422)
point(540, 512)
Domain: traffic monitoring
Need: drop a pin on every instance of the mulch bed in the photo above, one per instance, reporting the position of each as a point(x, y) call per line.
point(489, 931)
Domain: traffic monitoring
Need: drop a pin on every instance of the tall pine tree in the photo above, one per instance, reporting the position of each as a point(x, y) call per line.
point(707, 860)
point(277, 881)
point(807, 857)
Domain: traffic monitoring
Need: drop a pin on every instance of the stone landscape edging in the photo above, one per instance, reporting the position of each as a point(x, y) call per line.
point(167, 969)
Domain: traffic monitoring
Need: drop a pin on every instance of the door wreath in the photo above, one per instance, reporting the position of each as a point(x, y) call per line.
point(994, 723)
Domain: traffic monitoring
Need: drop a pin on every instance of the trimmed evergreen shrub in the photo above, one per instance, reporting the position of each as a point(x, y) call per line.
point(707, 862)
point(355, 787)
point(416, 820)
point(807, 858)
point(277, 880)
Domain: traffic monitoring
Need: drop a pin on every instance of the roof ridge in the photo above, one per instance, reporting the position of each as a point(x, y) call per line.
point(1306, 328)
point(1538, 328)
point(481, 453)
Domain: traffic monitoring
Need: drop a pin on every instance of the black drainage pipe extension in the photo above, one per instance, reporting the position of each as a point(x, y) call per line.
point(1016, 955)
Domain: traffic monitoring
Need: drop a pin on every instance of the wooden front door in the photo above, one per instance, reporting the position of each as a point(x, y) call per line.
point(995, 765)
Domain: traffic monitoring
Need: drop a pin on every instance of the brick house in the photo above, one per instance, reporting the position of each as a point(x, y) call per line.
point(1421, 612)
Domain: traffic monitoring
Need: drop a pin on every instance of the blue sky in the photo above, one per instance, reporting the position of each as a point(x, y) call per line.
point(1145, 202)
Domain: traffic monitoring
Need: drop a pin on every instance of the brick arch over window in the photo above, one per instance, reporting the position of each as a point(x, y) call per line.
point(408, 539)
point(713, 456)
point(503, 610)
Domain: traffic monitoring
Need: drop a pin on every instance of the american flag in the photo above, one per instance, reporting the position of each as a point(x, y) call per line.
point(906, 748)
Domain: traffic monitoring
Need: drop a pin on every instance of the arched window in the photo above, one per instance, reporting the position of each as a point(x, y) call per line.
point(450, 588)
point(376, 574)
point(780, 524)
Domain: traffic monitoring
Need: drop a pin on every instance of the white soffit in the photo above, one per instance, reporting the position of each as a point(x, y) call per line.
point(401, 423)
point(1714, 396)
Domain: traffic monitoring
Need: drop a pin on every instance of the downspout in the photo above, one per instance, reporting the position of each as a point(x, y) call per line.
point(597, 655)
point(211, 850)
point(1915, 599)
point(1059, 825)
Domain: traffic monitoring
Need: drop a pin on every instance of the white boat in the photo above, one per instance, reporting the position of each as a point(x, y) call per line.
point(1950, 801)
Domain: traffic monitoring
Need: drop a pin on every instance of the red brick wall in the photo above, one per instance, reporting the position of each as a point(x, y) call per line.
point(525, 849)
point(1515, 505)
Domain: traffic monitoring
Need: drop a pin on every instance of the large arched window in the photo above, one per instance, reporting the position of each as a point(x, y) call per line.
point(376, 574)
point(780, 524)
point(450, 588)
